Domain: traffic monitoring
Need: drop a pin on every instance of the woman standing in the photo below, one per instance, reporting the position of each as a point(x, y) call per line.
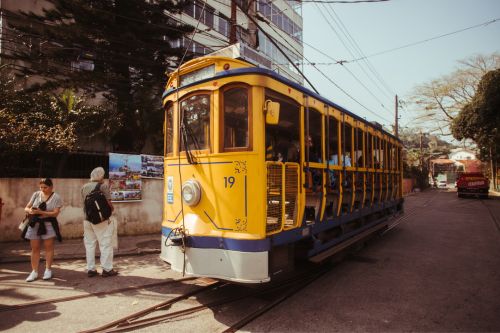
point(43, 207)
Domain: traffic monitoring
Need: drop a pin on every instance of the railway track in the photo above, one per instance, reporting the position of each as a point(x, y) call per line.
point(280, 291)
point(21, 306)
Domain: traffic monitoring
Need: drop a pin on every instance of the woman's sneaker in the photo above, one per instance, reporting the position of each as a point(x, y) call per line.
point(47, 275)
point(32, 277)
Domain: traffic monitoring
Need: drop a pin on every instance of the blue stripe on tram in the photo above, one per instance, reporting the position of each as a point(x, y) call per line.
point(243, 245)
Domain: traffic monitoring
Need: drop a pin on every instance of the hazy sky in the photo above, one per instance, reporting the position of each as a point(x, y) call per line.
point(381, 26)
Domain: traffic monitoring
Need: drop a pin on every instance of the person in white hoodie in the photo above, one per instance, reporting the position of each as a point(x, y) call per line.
point(101, 233)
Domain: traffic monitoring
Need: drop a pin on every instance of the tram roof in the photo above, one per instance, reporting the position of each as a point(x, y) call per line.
point(277, 77)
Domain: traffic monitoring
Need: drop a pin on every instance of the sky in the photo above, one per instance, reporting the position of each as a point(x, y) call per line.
point(379, 26)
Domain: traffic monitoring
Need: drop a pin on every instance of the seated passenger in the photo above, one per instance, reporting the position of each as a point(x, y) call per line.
point(346, 160)
point(293, 152)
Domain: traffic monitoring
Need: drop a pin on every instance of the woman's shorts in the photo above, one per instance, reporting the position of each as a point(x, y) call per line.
point(31, 232)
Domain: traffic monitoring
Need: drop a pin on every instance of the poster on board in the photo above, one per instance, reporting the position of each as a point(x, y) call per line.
point(152, 166)
point(125, 177)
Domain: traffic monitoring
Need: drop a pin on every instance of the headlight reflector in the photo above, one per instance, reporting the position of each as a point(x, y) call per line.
point(191, 192)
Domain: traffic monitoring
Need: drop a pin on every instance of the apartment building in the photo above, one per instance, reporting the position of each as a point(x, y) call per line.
point(260, 22)
point(257, 23)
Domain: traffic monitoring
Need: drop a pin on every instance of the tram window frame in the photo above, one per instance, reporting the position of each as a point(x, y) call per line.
point(359, 148)
point(284, 137)
point(169, 129)
point(333, 140)
point(315, 121)
point(222, 118)
point(207, 133)
point(369, 150)
point(347, 142)
point(376, 152)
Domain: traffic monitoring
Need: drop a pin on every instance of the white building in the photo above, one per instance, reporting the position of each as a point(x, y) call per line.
point(461, 154)
point(280, 20)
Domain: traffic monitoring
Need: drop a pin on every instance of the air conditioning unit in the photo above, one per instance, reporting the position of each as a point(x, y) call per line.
point(244, 52)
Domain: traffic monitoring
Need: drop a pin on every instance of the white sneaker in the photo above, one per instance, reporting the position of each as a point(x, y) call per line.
point(32, 277)
point(47, 275)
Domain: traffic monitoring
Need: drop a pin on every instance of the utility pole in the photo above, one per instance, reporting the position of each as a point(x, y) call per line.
point(396, 117)
point(421, 153)
point(232, 31)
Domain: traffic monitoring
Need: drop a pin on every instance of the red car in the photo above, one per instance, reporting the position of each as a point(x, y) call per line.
point(473, 183)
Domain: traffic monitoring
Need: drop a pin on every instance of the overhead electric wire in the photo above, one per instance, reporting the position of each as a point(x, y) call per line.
point(336, 85)
point(277, 46)
point(484, 24)
point(360, 51)
point(343, 2)
point(353, 48)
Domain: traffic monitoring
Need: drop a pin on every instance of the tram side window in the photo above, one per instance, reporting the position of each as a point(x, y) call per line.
point(333, 132)
point(195, 122)
point(369, 151)
point(376, 152)
point(283, 139)
point(383, 159)
point(358, 147)
point(314, 141)
point(347, 144)
point(236, 118)
point(169, 127)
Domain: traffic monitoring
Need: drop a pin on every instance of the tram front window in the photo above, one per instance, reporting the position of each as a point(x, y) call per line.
point(195, 122)
point(235, 120)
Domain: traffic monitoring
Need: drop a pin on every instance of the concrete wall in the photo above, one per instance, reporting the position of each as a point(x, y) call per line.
point(134, 218)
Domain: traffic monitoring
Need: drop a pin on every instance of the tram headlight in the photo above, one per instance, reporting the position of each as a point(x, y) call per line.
point(191, 192)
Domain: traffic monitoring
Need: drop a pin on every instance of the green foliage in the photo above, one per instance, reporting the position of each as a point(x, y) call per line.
point(421, 175)
point(479, 119)
point(117, 47)
point(39, 121)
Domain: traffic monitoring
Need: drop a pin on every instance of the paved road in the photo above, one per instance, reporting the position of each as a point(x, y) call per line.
point(438, 270)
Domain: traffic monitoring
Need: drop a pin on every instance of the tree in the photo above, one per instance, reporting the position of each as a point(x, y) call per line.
point(44, 122)
point(479, 119)
point(438, 102)
point(117, 47)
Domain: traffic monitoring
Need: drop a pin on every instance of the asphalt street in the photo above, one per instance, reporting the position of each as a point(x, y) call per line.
point(437, 270)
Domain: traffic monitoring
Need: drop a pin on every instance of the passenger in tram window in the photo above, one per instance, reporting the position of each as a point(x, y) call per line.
point(313, 154)
point(346, 160)
point(360, 161)
point(292, 154)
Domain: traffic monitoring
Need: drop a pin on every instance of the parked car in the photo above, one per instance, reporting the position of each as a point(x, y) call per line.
point(473, 183)
point(442, 184)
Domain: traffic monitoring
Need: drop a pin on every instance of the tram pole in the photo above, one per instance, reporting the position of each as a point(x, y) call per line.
point(396, 134)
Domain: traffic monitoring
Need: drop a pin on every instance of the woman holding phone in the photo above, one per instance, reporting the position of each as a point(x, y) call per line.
point(43, 208)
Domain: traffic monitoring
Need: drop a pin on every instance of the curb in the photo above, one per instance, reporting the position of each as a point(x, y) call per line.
point(26, 259)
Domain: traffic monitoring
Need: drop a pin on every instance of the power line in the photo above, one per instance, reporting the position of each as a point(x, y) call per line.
point(358, 50)
point(329, 79)
point(344, 2)
point(484, 24)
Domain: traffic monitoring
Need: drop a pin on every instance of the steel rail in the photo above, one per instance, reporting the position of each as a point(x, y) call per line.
point(13, 307)
point(127, 320)
point(132, 322)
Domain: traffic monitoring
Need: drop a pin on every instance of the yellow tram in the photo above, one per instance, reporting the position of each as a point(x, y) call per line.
point(260, 171)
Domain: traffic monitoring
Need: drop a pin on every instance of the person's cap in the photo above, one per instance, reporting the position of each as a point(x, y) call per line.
point(97, 174)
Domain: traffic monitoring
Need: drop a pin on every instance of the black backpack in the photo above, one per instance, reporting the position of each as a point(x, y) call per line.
point(96, 206)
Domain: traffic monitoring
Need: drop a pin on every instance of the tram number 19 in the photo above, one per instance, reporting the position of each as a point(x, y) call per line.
point(229, 181)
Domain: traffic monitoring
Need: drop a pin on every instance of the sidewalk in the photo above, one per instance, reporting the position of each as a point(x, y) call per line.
point(11, 252)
